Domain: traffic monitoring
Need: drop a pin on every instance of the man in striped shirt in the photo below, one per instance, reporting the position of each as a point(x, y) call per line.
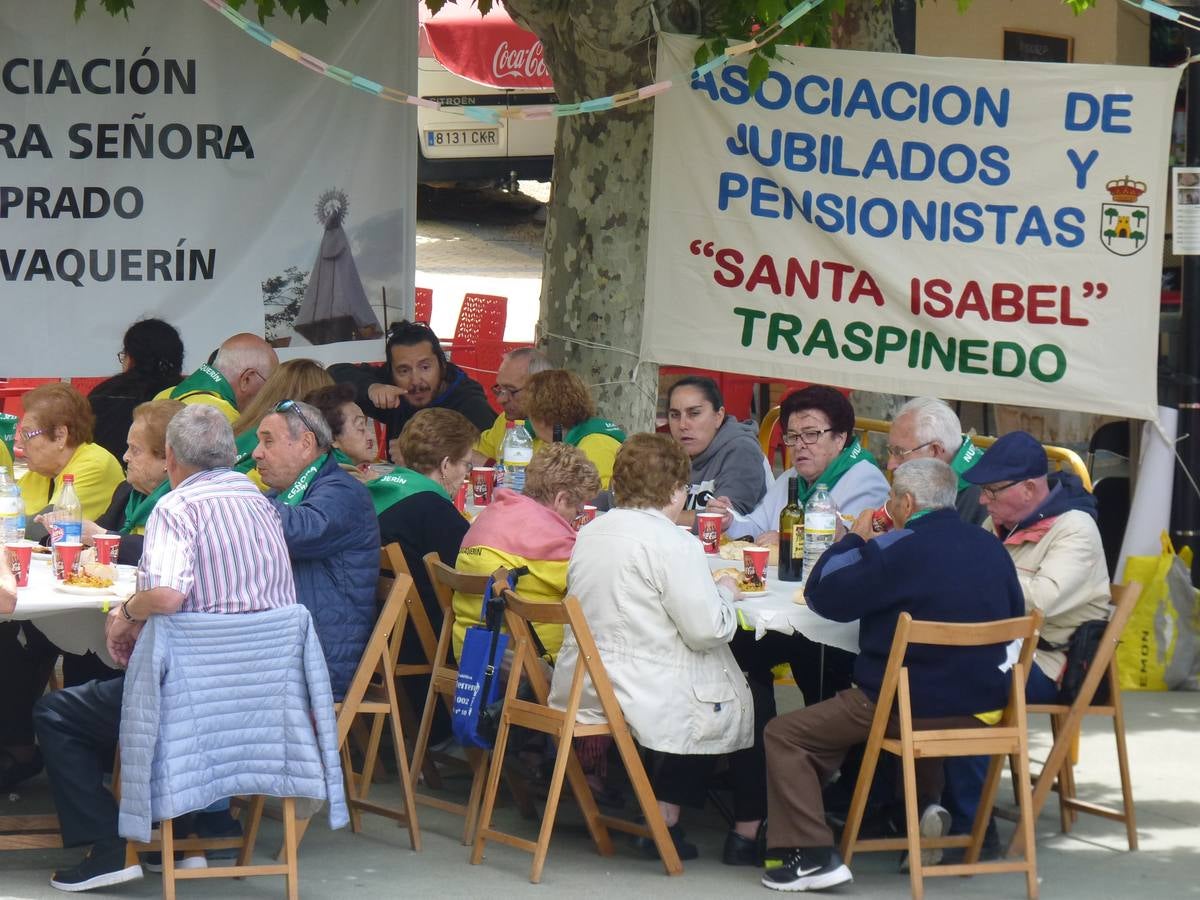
point(213, 544)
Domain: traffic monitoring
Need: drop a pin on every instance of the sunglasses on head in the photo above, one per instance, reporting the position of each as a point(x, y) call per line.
point(291, 406)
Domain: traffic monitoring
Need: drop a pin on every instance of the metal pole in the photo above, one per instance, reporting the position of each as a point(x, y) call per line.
point(1185, 509)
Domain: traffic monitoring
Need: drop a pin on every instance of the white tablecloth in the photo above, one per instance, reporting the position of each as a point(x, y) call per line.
point(776, 610)
point(74, 623)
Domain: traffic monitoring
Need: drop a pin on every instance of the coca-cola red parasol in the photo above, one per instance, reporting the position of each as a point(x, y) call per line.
point(492, 49)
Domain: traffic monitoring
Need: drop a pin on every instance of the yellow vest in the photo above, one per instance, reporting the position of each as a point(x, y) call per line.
point(227, 409)
point(97, 475)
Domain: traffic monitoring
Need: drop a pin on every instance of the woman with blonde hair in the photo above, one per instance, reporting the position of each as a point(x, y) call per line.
point(559, 400)
point(292, 380)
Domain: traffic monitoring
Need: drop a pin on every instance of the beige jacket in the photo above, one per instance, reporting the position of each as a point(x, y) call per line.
point(1062, 573)
point(663, 631)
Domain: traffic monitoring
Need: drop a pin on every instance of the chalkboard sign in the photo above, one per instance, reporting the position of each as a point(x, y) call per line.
point(1033, 46)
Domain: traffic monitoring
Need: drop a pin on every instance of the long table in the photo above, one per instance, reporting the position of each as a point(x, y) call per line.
point(74, 623)
point(776, 610)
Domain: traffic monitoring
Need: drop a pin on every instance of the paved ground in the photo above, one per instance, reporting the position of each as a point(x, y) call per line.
point(1092, 863)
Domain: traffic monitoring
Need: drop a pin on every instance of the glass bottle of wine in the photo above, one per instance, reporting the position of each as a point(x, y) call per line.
point(791, 535)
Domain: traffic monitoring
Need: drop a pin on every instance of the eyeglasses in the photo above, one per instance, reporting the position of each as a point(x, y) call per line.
point(121, 357)
point(808, 438)
point(499, 390)
point(897, 453)
point(260, 375)
point(27, 436)
point(291, 406)
point(993, 492)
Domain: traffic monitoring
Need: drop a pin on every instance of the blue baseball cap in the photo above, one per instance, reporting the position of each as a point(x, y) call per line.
point(1014, 457)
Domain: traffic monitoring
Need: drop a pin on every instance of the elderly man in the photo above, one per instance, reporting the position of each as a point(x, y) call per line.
point(242, 365)
point(418, 376)
point(935, 567)
point(511, 377)
point(187, 565)
point(331, 532)
point(927, 428)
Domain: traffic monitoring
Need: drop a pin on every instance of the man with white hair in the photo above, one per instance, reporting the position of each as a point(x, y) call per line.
point(242, 365)
point(927, 428)
point(511, 378)
point(935, 567)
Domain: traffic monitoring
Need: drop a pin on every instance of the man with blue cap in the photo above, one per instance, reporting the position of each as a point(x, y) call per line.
point(1048, 525)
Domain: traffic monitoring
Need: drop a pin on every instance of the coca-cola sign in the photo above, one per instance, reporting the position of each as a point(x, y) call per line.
point(520, 62)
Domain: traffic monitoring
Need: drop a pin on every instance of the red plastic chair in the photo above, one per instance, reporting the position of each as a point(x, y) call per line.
point(12, 390)
point(423, 305)
point(480, 328)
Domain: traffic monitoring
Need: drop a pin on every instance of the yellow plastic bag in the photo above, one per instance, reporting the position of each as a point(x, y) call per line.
point(1159, 647)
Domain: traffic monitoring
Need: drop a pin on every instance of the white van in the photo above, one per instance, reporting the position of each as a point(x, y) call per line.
point(472, 60)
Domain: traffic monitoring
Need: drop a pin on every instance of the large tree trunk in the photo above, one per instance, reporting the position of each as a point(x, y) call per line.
point(593, 283)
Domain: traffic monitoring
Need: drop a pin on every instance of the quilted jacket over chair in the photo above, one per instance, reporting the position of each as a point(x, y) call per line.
point(217, 706)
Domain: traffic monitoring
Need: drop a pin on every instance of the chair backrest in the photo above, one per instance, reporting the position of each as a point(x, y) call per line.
point(959, 634)
point(447, 580)
point(1123, 601)
point(482, 317)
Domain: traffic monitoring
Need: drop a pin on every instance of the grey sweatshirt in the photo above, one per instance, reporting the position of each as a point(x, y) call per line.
point(731, 466)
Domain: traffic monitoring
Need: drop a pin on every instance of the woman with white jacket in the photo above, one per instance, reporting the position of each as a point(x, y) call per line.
point(663, 629)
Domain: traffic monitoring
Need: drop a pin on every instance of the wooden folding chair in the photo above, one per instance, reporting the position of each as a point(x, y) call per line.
point(560, 724)
point(373, 693)
point(29, 832)
point(1066, 722)
point(1009, 738)
point(164, 842)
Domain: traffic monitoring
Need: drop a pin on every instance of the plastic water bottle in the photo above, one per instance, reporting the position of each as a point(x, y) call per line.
point(12, 509)
point(516, 452)
point(68, 513)
point(820, 526)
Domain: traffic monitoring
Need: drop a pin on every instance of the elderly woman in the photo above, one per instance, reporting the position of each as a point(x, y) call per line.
point(353, 434)
point(663, 628)
point(559, 398)
point(415, 505)
point(151, 361)
point(55, 434)
point(818, 426)
point(726, 458)
point(294, 378)
point(534, 529)
point(145, 480)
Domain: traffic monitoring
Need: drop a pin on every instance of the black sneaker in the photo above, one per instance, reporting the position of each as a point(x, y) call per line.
point(104, 866)
point(744, 851)
point(805, 869)
point(685, 849)
point(152, 862)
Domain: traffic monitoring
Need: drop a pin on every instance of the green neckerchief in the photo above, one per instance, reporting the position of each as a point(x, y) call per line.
point(594, 425)
point(137, 510)
point(968, 454)
point(246, 443)
point(205, 380)
point(917, 515)
point(294, 495)
point(851, 455)
point(8, 430)
point(400, 484)
point(342, 459)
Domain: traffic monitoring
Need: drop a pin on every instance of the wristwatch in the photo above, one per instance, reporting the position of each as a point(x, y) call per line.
point(125, 612)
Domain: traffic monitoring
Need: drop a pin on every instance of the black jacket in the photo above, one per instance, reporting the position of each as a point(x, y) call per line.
point(462, 394)
point(113, 402)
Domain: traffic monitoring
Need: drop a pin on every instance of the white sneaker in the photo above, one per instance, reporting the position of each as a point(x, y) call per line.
point(935, 823)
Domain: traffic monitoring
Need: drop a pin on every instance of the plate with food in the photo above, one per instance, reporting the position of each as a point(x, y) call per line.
point(733, 551)
point(91, 581)
point(747, 585)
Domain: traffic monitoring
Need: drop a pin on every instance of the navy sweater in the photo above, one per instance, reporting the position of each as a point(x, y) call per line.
point(940, 569)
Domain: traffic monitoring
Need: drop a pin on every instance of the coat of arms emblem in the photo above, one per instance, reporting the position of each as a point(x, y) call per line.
point(1124, 224)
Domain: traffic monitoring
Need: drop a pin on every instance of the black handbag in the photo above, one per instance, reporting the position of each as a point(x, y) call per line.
point(1081, 650)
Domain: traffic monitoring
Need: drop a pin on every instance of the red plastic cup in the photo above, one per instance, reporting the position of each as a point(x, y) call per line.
point(20, 555)
point(66, 559)
point(881, 520)
point(106, 548)
point(483, 483)
point(589, 513)
point(709, 526)
point(754, 564)
point(460, 497)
